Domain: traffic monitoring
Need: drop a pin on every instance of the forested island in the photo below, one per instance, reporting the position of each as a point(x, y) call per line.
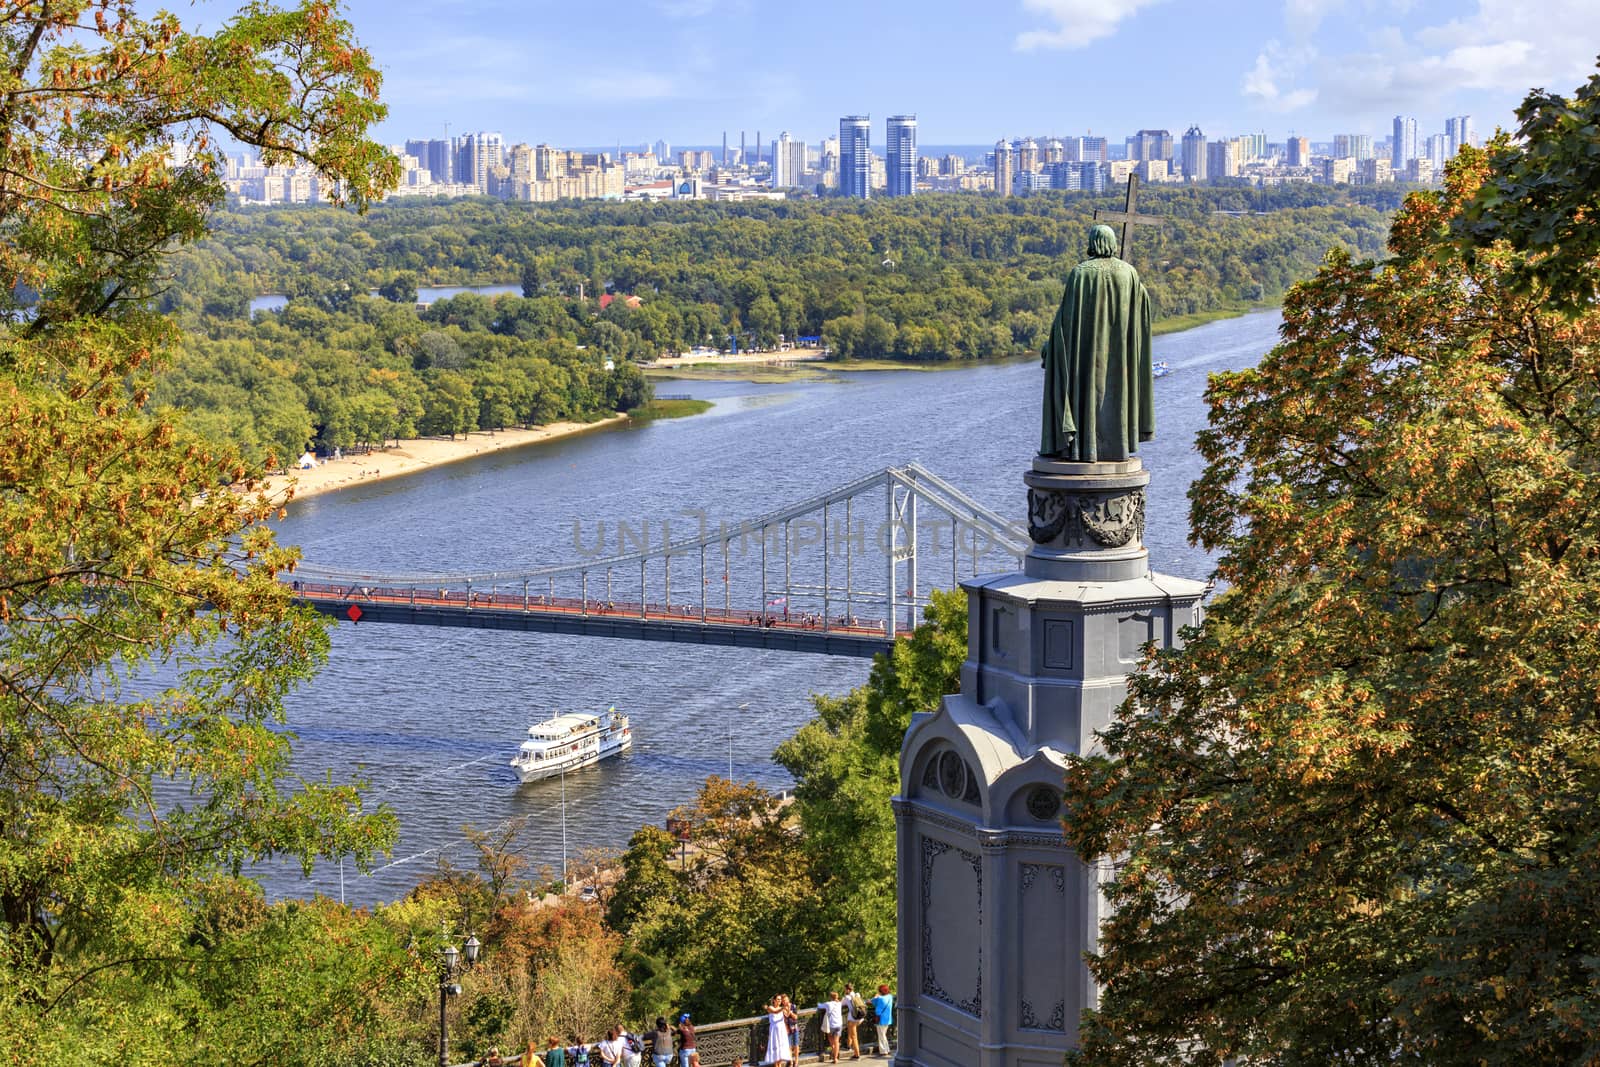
point(931, 278)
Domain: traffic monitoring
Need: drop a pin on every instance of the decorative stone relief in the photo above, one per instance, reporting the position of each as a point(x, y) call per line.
point(1043, 803)
point(931, 851)
point(1108, 521)
point(1027, 875)
point(1048, 514)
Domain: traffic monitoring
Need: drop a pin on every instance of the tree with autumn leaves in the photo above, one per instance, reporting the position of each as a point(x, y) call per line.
point(145, 642)
point(1356, 819)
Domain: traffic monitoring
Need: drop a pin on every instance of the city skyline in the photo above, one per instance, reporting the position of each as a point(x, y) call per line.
point(685, 70)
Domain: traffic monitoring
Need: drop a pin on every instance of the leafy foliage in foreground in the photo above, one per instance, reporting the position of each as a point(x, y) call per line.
point(145, 644)
point(1356, 816)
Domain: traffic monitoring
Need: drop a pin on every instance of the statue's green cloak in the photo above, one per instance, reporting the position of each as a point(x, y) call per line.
point(1097, 369)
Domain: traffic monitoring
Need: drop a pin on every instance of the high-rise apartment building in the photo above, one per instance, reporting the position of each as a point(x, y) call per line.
point(1438, 149)
point(855, 156)
point(1459, 133)
point(1252, 146)
point(1352, 146)
point(788, 162)
point(1085, 150)
point(1194, 155)
point(1150, 144)
point(1054, 152)
point(475, 155)
point(1027, 155)
point(419, 149)
point(1403, 143)
point(435, 158)
point(1222, 159)
point(663, 151)
point(1004, 168)
point(544, 163)
point(1299, 152)
point(1373, 171)
point(901, 146)
point(521, 163)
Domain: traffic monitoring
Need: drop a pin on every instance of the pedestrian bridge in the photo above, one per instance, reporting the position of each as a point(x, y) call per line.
point(841, 573)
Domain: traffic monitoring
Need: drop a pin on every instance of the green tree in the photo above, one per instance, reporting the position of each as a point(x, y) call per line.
point(401, 289)
point(1540, 196)
point(1354, 818)
point(146, 644)
point(846, 766)
point(450, 407)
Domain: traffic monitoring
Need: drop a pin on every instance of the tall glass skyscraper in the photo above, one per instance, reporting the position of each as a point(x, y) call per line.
point(1403, 145)
point(902, 148)
point(855, 156)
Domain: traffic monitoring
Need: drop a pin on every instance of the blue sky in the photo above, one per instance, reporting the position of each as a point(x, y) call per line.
point(575, 73)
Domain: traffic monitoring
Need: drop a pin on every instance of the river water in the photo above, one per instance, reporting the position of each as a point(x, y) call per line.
point(426, 294)
point(430, 715)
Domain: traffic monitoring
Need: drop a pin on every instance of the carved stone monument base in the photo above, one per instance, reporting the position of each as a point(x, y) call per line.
point(1086, 520)
point(995, 912)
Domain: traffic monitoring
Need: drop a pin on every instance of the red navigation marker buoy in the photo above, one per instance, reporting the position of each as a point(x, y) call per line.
point(355, 612)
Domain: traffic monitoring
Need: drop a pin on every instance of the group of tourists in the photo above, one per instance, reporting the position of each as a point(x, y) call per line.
point(619, 1048)
point(842, 1017)
point(675, 1046)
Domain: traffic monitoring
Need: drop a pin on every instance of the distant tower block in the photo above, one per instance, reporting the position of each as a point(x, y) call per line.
point(901, 145)
point(995, 912)
point(855, 156)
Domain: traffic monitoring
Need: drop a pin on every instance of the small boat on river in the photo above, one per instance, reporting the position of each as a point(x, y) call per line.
point(567, 742)
point(1160, 369)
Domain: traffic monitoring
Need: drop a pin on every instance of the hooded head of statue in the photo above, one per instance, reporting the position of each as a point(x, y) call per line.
point(1102, 241)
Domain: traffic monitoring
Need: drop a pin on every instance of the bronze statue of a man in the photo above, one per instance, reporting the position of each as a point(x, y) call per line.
point(1097, 369)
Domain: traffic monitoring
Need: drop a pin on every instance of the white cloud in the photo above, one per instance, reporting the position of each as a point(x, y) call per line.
point(1304, 16)
point(1496, 46)
point(1276, 68)
point(1077, 22)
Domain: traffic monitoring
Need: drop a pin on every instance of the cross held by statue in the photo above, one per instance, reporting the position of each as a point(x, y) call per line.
point(1129, 217)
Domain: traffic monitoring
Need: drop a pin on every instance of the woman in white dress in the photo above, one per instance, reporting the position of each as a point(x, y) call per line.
point(778, 1050)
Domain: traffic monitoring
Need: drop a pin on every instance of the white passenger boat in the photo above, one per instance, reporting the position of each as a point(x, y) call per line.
point(1160, 369)
point(567, 742)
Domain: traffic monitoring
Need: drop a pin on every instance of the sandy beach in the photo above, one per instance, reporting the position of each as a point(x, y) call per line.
point(414, 455)
point(792, 355)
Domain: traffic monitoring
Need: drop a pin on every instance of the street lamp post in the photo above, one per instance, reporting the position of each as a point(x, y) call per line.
point(451, 965)
point(730, 743)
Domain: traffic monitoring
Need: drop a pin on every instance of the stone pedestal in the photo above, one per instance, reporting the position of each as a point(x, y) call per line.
point(995, 912)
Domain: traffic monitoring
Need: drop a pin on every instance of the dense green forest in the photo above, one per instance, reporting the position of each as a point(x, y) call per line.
point(936, 277)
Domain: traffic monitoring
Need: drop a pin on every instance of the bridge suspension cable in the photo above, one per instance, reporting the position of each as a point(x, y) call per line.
point(810, 596)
